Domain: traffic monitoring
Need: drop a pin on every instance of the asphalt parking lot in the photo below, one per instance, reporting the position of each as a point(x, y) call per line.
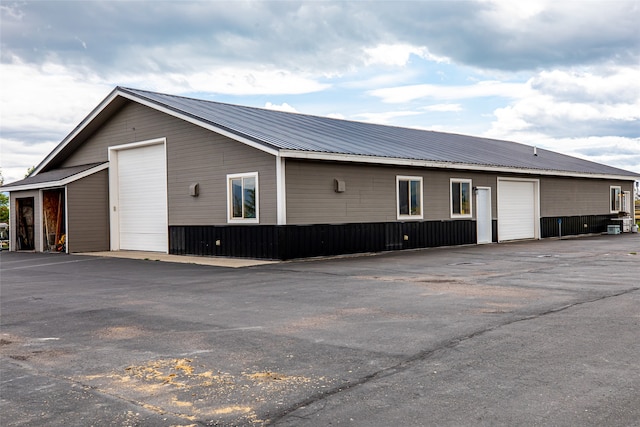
point(521, 334)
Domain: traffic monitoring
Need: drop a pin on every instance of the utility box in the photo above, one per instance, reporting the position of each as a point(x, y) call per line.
point(613, 229)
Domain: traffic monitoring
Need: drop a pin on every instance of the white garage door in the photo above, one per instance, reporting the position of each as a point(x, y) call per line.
point(516, 210)
point(142, 198)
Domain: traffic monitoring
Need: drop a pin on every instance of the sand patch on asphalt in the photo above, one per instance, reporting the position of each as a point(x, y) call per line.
point(186, 389)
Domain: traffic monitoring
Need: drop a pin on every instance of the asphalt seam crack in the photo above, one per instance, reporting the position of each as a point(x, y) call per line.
point(407, 363)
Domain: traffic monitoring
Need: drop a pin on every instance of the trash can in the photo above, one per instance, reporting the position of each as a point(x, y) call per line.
point(613, 229)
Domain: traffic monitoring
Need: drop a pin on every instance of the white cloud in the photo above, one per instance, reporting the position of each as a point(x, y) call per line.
point(282, 107)
point(48, 99)
point(443, 108)
point(566, 103)
point(18, 157)
point(481, 89)
point(336, 116)
point(226, 80)
point(385, 117)
point(398, 54)
point(593, 115)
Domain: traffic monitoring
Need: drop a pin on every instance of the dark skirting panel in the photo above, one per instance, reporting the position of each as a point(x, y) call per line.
point(574, 225)
point(303, 241)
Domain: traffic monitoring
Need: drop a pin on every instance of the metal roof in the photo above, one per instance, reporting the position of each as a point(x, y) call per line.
point(56, 177)
point(284, 131)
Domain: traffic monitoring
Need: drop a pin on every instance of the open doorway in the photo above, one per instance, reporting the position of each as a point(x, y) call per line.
point(24, 223)
point(54, 221)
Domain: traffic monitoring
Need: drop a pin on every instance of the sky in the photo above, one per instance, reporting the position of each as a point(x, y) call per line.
point(560, 75)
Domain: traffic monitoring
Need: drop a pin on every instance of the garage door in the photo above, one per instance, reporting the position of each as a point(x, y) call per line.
point(517, 213)
point(142, 198)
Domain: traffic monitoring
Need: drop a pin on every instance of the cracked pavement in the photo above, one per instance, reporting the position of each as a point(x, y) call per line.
point(527, 333)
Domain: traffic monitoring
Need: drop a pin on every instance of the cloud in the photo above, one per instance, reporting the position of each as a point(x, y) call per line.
point(18, 156)
point(385, 117)
point(282, 107)
point(592, 114)
point(398, 54)
point(409, 93)
point(327, 38)
point(443, 107)
point(31, 101)
point(225, 80)
point(562, 104)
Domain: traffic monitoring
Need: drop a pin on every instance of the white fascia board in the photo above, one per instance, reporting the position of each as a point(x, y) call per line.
point(77, 130)
point(118, 93)
point(354, 158)
point(201, 123)
point(59, 183)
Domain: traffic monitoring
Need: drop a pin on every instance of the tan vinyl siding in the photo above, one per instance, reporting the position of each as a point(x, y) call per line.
point(574, 196)
point(194, 155)
point(370, 194)
point(207, 161)
point(88, 213)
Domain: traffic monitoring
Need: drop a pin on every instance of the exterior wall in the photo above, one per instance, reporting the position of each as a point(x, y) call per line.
point(194, 155)
point(88, 213)
point(576, 196)
point(302, 241)
point(370, 194)
point(37, 218)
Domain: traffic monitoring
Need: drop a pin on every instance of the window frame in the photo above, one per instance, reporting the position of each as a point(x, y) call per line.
point(451, 204)
point(615, 199)
point(242, 220)
point(409, 179)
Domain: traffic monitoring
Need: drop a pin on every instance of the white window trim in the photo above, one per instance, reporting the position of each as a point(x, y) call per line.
point(409, 178)
point(230, 218)
point(461, 181)
point(619, 201)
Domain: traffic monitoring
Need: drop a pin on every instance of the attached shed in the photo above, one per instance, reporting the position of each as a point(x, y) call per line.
point(156, 172)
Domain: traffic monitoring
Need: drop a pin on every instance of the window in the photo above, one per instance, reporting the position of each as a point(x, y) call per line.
point(461, 198)
point(242, 201)
point(409, 197)
point(615, 199)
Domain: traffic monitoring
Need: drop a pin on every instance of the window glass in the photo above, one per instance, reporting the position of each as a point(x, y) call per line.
point(455, 197)
point(243, 197)
point(415, 198)
point(615, 199)
point(249, 200)
point(465, 208)
point(409, 196)
point(460, 197)
point(403, 197)
point(236, 194)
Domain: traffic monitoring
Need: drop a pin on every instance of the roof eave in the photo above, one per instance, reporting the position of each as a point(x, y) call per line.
point(395, 161)
point(57, 183)
point(123, 93)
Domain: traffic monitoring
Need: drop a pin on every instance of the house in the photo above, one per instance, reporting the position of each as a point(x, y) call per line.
point(154, 172)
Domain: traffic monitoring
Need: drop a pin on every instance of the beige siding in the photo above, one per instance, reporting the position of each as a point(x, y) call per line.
point(88, 213)
point(370, 194)
point(194, 155)
point(573, 196)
